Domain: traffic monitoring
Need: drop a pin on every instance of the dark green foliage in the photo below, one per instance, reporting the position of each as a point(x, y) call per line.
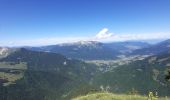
point(168, 76)
point(34, 86)
point(48, 76)
point(51, 76)
point(140, 75)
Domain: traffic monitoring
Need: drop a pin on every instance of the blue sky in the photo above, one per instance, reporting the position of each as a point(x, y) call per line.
point(42, 22)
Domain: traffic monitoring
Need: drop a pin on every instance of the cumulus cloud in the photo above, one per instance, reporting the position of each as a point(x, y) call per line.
point(102, 36)
point(104, 33)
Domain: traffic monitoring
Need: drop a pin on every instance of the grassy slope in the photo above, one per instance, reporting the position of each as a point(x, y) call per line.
point(11, 72)
point(110, 96)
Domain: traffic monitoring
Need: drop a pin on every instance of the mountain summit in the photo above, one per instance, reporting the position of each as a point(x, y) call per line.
point(93, 44)
point(81, 50)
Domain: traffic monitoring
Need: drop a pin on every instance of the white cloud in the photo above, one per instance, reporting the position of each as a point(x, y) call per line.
point(104, 33)
point(103, 36)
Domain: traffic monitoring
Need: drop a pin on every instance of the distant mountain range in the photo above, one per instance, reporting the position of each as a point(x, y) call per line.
point(53, 73)
point(127, 47)
point(81, 50)
point(159, 48)
point(92, 50)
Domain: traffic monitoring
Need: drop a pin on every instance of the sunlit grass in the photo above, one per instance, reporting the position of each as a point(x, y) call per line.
point(21, 65)
point(11, 72)
point(110, 96)
point(11, 78)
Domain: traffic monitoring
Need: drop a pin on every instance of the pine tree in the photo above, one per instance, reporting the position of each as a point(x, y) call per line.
point(168, 76)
